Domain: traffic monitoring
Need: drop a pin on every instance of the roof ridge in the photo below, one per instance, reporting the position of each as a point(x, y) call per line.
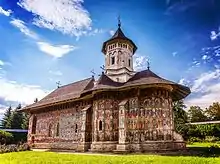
point(75, 82)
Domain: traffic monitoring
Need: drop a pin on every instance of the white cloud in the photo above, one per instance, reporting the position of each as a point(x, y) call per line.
point(22, 93)
point(1, 63)
point(140, 62)
point(204, 57)
point(2, 109)
point(200, 83)
point(214, 35)
point(210, 95)
point(5, 12)
point(111, 32)
point(23, 28)
point(95, 31)
point(66, 16)
point(184, 82)
point(174, 54)
point(205, 89)
point(56, 51)
point(57, 73)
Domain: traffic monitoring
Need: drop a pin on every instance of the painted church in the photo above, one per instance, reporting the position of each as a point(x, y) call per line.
point(122, 110)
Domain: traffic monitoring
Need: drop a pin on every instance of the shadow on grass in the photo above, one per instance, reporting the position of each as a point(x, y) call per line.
point(212, 151)
point(196, 151)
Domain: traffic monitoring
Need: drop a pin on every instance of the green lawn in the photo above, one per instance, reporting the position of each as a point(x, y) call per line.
point(31, 157)
point(203, 144)
point(51, 157)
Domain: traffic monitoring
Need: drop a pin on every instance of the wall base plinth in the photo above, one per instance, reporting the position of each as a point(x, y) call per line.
point(107, 146)
point(122, 147)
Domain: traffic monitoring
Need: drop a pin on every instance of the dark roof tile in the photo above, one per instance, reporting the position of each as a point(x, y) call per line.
point(65, 92)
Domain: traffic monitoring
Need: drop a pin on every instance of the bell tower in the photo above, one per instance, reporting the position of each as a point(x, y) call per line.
point(119, 51)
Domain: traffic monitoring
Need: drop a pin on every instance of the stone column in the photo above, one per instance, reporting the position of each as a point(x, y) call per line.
point(95, 122)
point(122, 144)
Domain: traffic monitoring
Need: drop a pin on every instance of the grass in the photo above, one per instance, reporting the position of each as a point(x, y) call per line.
point(31, 157)
point(203, 144)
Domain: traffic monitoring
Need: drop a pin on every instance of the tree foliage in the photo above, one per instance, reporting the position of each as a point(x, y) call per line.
point(213, 111)
point(180, 118)
point(196, 114)
point(14, 119)
point(5, 137)
point(6, 121)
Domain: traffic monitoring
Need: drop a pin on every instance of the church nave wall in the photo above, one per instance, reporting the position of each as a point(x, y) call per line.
point(149, 117)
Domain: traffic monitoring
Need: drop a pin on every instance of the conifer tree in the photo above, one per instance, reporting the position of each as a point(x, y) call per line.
point(6, 121)
point(17, 118)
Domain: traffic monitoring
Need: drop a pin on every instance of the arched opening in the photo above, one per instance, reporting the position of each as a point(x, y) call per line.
point(76, 128)
point(58, 129)
point(113, 60)
point(50, 130)
point(100, 125)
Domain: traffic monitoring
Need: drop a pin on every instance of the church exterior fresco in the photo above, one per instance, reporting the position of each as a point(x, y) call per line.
point(122, 111)
point(112, 122)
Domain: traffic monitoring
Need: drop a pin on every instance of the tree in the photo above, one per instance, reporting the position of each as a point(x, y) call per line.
point(17, 118)
point(196, 114)
point(6, 121)
point(180, 115)
point(180, 118)
point(213, 111)
point(25, 121)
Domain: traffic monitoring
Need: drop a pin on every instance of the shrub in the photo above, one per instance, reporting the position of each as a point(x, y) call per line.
point(5, 137)
point(211, 139)
point(194, 139)
point(13, 148)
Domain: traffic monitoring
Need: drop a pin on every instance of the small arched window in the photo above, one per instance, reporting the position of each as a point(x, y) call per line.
point(76, 128)
point(50, 130)
point(113, 60)
point(100, 125)
point(129, 62)
point(58, 129)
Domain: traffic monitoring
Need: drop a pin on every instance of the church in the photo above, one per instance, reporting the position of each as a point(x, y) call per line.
point(121, 111)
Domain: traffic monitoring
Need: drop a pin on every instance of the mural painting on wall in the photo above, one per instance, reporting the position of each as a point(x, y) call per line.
point(106, 120)
point(152, 120)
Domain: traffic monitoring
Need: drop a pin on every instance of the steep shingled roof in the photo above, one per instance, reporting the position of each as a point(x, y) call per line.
point(77, 89)
point(118, 35)
point(70, 91)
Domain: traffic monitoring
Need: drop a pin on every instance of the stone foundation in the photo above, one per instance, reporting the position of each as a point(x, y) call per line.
point(107, 146)
point(82, 147)
point(152, 146)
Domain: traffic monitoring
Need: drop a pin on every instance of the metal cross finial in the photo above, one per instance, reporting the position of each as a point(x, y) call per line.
point(119, 22)
point(148, 64)
point(93, 72)
point(102, 67)
point(58, 84)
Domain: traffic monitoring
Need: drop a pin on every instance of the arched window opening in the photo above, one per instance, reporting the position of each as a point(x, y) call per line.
point(100, 125)
point(50, 130)
point(129, 62)
point(58, 129)
point(113, 60)
point(76, 128)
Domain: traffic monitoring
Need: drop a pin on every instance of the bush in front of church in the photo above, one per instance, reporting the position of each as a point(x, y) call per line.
point(5, 137)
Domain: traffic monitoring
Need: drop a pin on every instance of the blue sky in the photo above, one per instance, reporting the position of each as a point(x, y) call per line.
point(44, 41)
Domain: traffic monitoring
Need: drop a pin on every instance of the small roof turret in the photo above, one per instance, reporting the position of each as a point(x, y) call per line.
point(119, 35)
